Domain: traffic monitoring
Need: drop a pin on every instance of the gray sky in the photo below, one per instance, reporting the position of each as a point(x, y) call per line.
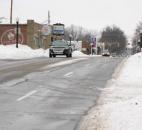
point(90, 14)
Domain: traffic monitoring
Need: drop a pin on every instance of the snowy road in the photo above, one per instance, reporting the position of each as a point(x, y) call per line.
point(13, 69)
point(47, 96)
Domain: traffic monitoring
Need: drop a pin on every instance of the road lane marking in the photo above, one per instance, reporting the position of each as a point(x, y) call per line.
point(68, 74)
point(27, 95)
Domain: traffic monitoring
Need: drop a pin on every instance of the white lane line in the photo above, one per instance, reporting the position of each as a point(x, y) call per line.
point(27, 95)
point(68, 74)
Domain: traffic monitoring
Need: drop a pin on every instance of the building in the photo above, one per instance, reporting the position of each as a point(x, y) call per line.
point(32, 34)
point(86, 47)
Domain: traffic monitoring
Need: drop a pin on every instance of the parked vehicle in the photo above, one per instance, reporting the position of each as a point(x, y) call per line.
point(105, 53)
point(60, 47)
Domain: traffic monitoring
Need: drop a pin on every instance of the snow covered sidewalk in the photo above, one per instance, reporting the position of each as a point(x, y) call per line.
point(120, 105)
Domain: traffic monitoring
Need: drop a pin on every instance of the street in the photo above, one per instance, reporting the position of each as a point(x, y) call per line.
point(51, 94)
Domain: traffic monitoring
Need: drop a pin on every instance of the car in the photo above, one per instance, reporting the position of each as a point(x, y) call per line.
point(60, 47)
point(105, 53)
point(113, 54)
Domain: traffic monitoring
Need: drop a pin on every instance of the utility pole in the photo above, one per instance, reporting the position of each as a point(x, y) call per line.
point(49, 18)
point(11, 11)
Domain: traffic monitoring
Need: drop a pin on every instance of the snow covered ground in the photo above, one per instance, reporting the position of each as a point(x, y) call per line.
point(120, 105)
point(22, 52)
point(25, 52)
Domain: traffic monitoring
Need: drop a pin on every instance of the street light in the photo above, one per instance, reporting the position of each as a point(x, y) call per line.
point(17, 32)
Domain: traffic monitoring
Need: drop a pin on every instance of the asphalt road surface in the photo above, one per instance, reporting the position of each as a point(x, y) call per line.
point(41, 94)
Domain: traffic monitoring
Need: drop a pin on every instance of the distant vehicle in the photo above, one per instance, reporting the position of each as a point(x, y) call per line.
point(105, 53)
point(60, 47)
point(113, 54)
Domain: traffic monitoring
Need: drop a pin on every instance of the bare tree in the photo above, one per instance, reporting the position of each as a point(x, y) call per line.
point(72, 30)
point(78, 33)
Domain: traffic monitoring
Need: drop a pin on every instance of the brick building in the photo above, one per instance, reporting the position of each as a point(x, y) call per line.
point(8, 34)
point(30, 34)
point(86, 48)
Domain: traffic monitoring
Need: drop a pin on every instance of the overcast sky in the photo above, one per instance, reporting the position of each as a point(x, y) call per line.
point(90, 14)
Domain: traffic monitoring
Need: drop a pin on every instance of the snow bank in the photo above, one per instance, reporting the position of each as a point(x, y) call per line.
point(25, 52)
point(22, 52)
point(79, 54)
point(132, 72)
point(120, 105)
point(123, 115)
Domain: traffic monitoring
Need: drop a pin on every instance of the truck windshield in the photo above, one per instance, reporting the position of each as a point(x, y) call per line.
point(59, 43)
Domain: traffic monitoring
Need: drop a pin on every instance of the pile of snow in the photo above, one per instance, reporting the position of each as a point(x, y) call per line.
point(120, 105)
point(22, 52)
point(25, 52)
point(132, 73)
point(79, 54)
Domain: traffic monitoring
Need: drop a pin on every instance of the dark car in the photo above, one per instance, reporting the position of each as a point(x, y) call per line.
point(60, 47)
